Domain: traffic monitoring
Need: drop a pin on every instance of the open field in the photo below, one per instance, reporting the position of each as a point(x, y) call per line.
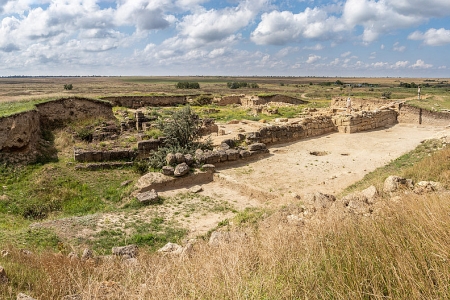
point(283, 247)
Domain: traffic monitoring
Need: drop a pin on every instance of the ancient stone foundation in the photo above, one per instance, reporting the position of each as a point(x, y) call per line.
point(365, 120)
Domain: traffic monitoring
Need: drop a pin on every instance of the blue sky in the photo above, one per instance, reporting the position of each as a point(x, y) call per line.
point(395, 38)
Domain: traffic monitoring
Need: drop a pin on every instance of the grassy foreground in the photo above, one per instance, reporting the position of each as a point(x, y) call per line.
point(402, 253)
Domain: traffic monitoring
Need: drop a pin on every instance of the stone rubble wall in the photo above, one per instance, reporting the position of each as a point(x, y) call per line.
point(363, 104)
point(308, 127)
point(83, 155)
point(365, 120)
point(135, 102)
point(250, 101)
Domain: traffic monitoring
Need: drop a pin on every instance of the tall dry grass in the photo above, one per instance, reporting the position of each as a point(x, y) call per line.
point(401, 253)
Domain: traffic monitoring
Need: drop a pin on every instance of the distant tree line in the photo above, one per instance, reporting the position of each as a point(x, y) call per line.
point(187, 85)
point(408, 85)
point(238, 85)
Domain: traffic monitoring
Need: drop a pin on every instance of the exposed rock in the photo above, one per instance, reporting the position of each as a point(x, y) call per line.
point(229, 142)
point(393, 183)
point(427, 187)
point(232, 154)
point(125, 251)
point(295, 220)
point(4, 253)
point(87, 254)
point(26, 252)
point(181, 170)
point(196, 189)
point(3, 277)
point(148, 197)
point(370, 194)
point(4, 198)
point(209, 168)
point(168, 170)
point(171, 159)
point(320, 200)
point(179, 157)
point(257, 147)
point(22, 296)
point(171, 248)
point(189, 159)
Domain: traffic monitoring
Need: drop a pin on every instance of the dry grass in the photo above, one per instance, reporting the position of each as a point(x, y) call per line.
point(401, 253)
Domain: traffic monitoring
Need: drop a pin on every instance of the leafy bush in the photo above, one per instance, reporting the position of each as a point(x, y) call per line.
point(386, 95)
point(187, 85)
point(68, 87)
point(237, 85)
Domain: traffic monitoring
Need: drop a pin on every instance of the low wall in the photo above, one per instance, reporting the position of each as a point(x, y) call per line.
point(82, 155)
point(142, 101)
point(414, 115)
point(365, 120)
point(307, 127)
point(363, 104)
point(228, 100)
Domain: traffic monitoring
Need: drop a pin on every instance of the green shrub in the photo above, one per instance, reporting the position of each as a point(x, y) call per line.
point(68, 87)
point(187, 85)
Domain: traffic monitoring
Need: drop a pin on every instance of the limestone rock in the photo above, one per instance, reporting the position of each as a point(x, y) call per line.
point(125, 251)
point(196, 189)
point(393, 183)
point(171, 159)
point(181, 170)
point(257, 147)
point(179, 157)
point(209, 168)
point(148, 197)
point(370, 194)
point(171, 248)
point(168, 170)
point(87, 254)
point(320, 200)
point(427, 187)
point(189, 159)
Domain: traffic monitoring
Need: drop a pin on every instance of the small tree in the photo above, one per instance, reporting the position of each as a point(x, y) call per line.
point(68, 87)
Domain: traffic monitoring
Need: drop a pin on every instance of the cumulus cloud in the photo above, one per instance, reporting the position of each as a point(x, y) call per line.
point(377, 18)
point(432, 37)
point(279, 28)
point(313, 58)
point(420, 64)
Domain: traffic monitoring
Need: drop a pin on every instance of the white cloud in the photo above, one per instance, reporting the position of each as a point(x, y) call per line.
point(432, 37)
point(345, 54)
point(377, 18)
point(279, 28)
point(397, 47)
point(400, 64)
point(313, 58)
point(420, 64)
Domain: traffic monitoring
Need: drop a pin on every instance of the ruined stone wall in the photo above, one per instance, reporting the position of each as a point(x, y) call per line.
point(82, 155)
point(413, 115)
point(365, 120)
point(363, 104)
point(57, 113)
point(281, 99)
point(143, 101)
point(19, 137)
point(308, 127)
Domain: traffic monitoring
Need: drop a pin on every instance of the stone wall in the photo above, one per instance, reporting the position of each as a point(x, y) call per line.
point(307, 127)
point(365, 120)
point(143, 101)
point(414, 115)
point(83, 155)
point(250, 101)
point(363, 104)
point(281, 99)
